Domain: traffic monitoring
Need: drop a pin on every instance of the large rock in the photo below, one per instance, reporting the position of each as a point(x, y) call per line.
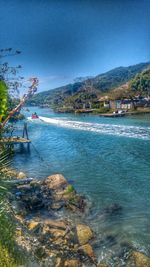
point(140, 259)
point(84, 233)
point(55, 181)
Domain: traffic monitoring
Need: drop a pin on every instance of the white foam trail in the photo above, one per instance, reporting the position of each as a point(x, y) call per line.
point(111, 129)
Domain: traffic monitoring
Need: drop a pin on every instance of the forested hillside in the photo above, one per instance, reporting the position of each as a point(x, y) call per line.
point(87, 91)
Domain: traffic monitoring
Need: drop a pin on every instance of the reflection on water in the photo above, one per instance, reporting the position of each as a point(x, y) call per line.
point(108, 160)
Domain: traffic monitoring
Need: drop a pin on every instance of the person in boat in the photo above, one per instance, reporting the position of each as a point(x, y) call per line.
point(35, 116)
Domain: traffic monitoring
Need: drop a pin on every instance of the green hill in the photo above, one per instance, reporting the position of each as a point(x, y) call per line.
point(89, 90)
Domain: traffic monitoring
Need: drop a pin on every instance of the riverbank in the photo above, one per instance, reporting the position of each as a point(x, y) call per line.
point(104, 112)
point(102, 159)
point(128, 113)
point(51, 227)
point(41, 231)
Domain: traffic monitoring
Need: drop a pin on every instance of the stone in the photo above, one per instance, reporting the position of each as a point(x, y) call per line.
point(21, 175)
point(140, 259)
point(102, 265)
point(87, 249)
point(56, 206)
point(19, 218)
point(55, 224)
point(60, 242)
point(40, 252)
point(32, 225)
point(57, 233)
point(72, 263)
point(58, 196)
point(18, 231)
point(56, 181)
point(74, 202)
point(45, 230)
point(84, 233)
point(58, 262)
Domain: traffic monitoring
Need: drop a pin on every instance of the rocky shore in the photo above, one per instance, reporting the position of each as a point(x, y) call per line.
point(51, 227)
point(45, 228)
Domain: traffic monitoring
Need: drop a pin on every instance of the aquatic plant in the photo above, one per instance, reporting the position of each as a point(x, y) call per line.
point(69, 189)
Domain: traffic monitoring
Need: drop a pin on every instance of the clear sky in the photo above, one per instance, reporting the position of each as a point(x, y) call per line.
point(64, 39)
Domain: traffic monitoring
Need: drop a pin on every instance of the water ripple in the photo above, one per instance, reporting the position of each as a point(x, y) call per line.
point(110, 129)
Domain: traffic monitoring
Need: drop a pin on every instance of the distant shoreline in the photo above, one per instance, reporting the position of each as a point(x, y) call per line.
point(130, 113)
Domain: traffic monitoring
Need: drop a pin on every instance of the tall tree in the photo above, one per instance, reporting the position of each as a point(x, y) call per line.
point(10, 83)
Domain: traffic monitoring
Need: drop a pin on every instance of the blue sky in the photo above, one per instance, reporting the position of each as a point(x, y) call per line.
point(61, 40)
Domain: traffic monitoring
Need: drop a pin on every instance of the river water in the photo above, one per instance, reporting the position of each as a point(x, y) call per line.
point(107, 160)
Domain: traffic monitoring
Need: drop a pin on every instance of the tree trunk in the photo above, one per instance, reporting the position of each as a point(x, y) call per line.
point(32, 89)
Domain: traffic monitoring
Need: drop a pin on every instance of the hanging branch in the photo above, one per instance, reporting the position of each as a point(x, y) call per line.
point(31, 90)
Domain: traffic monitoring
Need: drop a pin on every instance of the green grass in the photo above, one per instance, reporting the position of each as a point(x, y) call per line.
point(9, 255)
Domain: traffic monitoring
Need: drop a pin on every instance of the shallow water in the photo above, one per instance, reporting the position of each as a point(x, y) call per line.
point(108, 159)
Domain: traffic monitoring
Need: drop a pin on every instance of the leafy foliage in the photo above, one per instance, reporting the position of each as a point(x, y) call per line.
point(8, 73)
point(3, 99)
point(9, 77)
point(10, 83)
point(141, 82)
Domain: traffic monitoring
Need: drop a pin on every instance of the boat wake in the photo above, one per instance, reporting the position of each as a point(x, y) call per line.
point(110, 129)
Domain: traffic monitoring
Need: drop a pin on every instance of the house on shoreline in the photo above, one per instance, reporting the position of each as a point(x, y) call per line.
point(125, 104)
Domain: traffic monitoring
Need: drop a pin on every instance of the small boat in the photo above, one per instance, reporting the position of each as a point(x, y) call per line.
point(112, 115)
point(35, 116)
point(115, 114)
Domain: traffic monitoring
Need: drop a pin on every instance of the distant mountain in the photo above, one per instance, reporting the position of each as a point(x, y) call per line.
point(89, 89)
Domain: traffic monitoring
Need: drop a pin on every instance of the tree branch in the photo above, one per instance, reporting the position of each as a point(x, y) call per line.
point(32, 89)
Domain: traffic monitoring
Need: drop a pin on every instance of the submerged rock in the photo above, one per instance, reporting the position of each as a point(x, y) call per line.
point(84, 233)
point(113, 209)
point(140, 259)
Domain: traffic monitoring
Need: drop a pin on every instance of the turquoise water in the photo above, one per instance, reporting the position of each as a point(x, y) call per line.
point(108, 159)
